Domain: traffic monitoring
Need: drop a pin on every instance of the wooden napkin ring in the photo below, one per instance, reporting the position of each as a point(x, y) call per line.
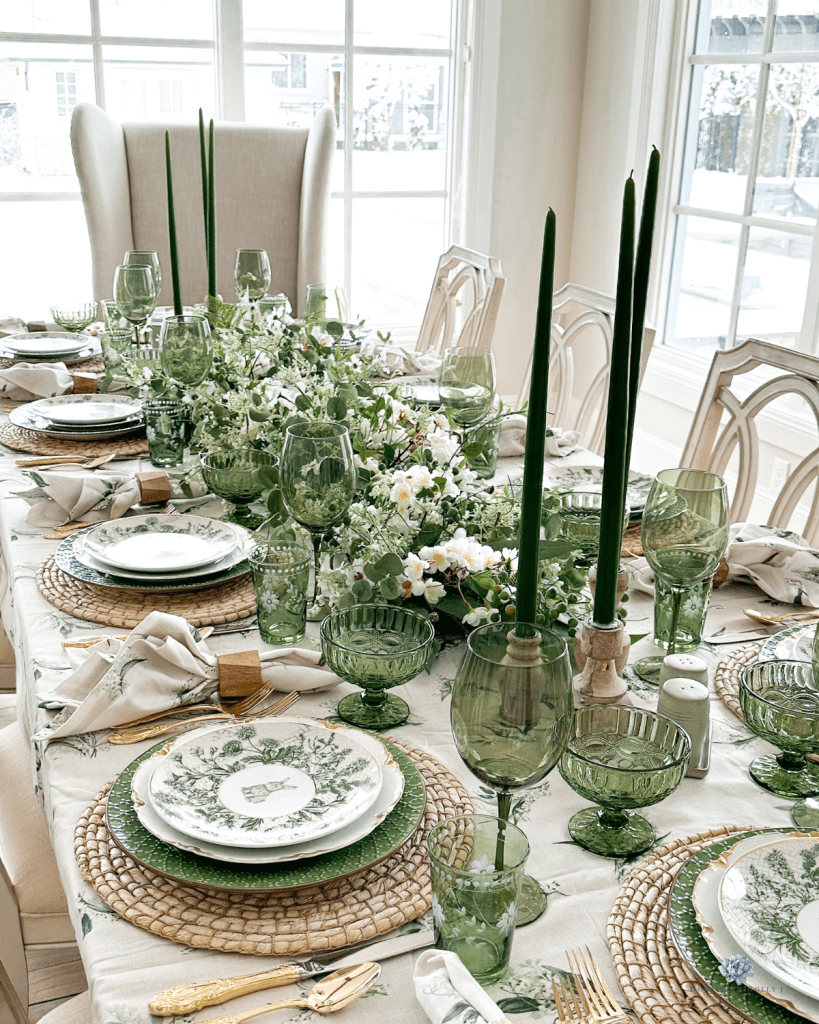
point(84, 384)
point(240, 673)
point(721, 575)
point(154, 486)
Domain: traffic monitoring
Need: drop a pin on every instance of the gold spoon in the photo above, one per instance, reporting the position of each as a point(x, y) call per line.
point(771, 620)
point(334, 992)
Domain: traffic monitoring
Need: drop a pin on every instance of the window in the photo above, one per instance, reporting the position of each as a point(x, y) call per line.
point(389, 79)
point(745, 221)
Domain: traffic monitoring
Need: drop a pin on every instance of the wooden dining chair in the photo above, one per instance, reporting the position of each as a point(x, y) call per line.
point(464, 301)
point(736, 429)
point(580, 363)
point(272, 189)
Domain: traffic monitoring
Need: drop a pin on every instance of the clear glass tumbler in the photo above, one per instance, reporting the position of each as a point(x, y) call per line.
point(281, 573)
point(165, 426)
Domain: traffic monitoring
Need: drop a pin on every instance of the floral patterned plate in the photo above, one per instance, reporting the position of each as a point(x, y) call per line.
point(769, 900)
point(688, 938)
point(24, 417)
point(590, 478)
point(220, 572)
point(705, 898)
point(266, 783)
point(792, 644)
point(159, 544)
point(391, 789)
point(190, 869)
point(81, 410)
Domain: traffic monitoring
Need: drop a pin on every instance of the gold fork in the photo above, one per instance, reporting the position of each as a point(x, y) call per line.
point(149, 732)
point(589, 998)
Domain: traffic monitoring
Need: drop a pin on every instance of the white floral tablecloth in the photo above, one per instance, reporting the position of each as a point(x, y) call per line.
point(126, 966)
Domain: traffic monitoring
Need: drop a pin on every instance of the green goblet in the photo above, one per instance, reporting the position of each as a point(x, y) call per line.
point(239, 477)
point(376, 647)
point(780, 702)
point(511, 716)
point(75, 317)
point(621, 758)
point(145, 258)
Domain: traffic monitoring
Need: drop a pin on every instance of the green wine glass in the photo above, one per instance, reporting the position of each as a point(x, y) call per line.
point(145, 258)
point(466, 383)
point(239, 476)
point(317, 479)
point(376, 647)
point(684, 534)
point(186, 348)
point(511, 716)
point(252, 273)
point(135, 294)
point(621, 758)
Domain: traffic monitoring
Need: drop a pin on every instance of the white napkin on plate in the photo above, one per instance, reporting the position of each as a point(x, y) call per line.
point(446, 990)
point(513, 438)
point(75, 494)
point(25, 382)
point(401, 360)
point(161, 664)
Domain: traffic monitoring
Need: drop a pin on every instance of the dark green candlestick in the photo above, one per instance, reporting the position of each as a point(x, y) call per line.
point(177, 295)
point(211, 219)
point(203, 159)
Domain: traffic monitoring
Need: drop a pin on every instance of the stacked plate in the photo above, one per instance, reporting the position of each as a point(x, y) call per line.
point(81, 417)
point(157, 552)
point(590, 478)
point(290, 800)
point(48, 346)
point(745, 915)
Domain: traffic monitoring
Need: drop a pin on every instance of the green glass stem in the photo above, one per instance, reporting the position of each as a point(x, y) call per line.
point(675, 618)
point(316, 539)
point(374, 698)
point(504, 810)
point(612, 817)
point(790, 761)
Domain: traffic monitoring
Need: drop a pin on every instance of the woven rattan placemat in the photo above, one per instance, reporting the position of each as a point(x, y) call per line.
point(326, 916)
point(22, 440)
point(220, 602)
point(658, 983)
point(726, 677)
point(91, 364)
point(632, 545)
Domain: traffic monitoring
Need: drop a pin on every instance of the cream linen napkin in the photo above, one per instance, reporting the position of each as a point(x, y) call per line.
point(447, 991)
point(25, 382)
point(73, 493)
point(513, 438)
point(401, 360)
point(162, 664)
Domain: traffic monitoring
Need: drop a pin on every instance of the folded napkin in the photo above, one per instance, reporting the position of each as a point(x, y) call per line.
point(74, 494)
point(162, 664)
point(513, 438)
point(25, 382)
point(401, 360)
point(447, 991)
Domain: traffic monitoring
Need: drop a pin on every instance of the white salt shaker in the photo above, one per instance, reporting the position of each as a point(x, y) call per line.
point(685, 701)
point(683, 666)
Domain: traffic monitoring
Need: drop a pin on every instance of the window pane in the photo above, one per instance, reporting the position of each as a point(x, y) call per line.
point(735, 26)
point(282, 21)
point(723, 137)
point(706, 254)
point(774, 286)
point(63, 266)
point(47, 16)
point(275, 95)
point(335, 251)
point(35, 114)
point(384, 24)
point(134, 77)
point(391, 282)
point(165, 19)
point(787, 183)
point(400, 123)
point(796, 27)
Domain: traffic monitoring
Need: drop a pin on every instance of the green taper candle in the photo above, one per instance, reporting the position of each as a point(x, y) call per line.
point(614, 473)
point(203, 159)
point(529, 538)
point(177, 296)
point(211, 219)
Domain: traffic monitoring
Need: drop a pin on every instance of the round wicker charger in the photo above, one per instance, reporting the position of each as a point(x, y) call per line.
point(726, 677)
point(658, 983)
point(360, 906)
point(220, 602)
point(21, 440)
point(91, 364)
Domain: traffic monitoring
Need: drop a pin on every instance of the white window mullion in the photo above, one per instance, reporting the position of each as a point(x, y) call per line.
point(229, 62)
point(349, 24)
point(96, 49)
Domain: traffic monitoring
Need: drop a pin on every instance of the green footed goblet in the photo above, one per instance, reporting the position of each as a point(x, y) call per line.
point(239, 476)
point(621, 758)
point(376, 647)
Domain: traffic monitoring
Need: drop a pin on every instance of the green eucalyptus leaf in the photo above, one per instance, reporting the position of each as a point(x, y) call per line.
point(302, 403)
point(389, 565)
point(473, 449)
point(258, 415)
point(389, 588)
point(336, 408)
point(275, 503)
point(268, 476)
point(334, 329)
point(362, 590)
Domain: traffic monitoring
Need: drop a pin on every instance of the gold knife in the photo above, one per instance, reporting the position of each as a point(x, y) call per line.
point(190, 998)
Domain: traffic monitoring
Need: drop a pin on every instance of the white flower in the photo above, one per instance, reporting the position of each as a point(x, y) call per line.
point(436, 558)
point(476, 616)
point(401, 494)
point(433, 591)
point(414, 567)
point(369, 463)
point(420, 478)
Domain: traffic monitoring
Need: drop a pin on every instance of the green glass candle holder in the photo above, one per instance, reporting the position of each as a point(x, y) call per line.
point(376, 647)
point(621, 758)
point(780, 702)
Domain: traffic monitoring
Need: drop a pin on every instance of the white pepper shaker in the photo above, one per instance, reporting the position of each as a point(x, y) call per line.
point(685, 701)
point(683, 666)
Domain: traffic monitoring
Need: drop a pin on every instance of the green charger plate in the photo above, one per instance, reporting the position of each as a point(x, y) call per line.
point(182, 866)
point(687, 936)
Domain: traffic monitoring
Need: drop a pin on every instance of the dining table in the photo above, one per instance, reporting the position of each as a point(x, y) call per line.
point(126, 965)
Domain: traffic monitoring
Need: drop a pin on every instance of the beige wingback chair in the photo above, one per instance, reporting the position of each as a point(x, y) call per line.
point(272, 192)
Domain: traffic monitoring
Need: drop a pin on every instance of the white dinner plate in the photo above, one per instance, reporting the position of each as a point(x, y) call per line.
point(23, 417)
point(160, 544)
point(39, 344)
point(246, 543)
point(392, 788)
point(266, 782)
point(94, 409)
point(722, 944)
